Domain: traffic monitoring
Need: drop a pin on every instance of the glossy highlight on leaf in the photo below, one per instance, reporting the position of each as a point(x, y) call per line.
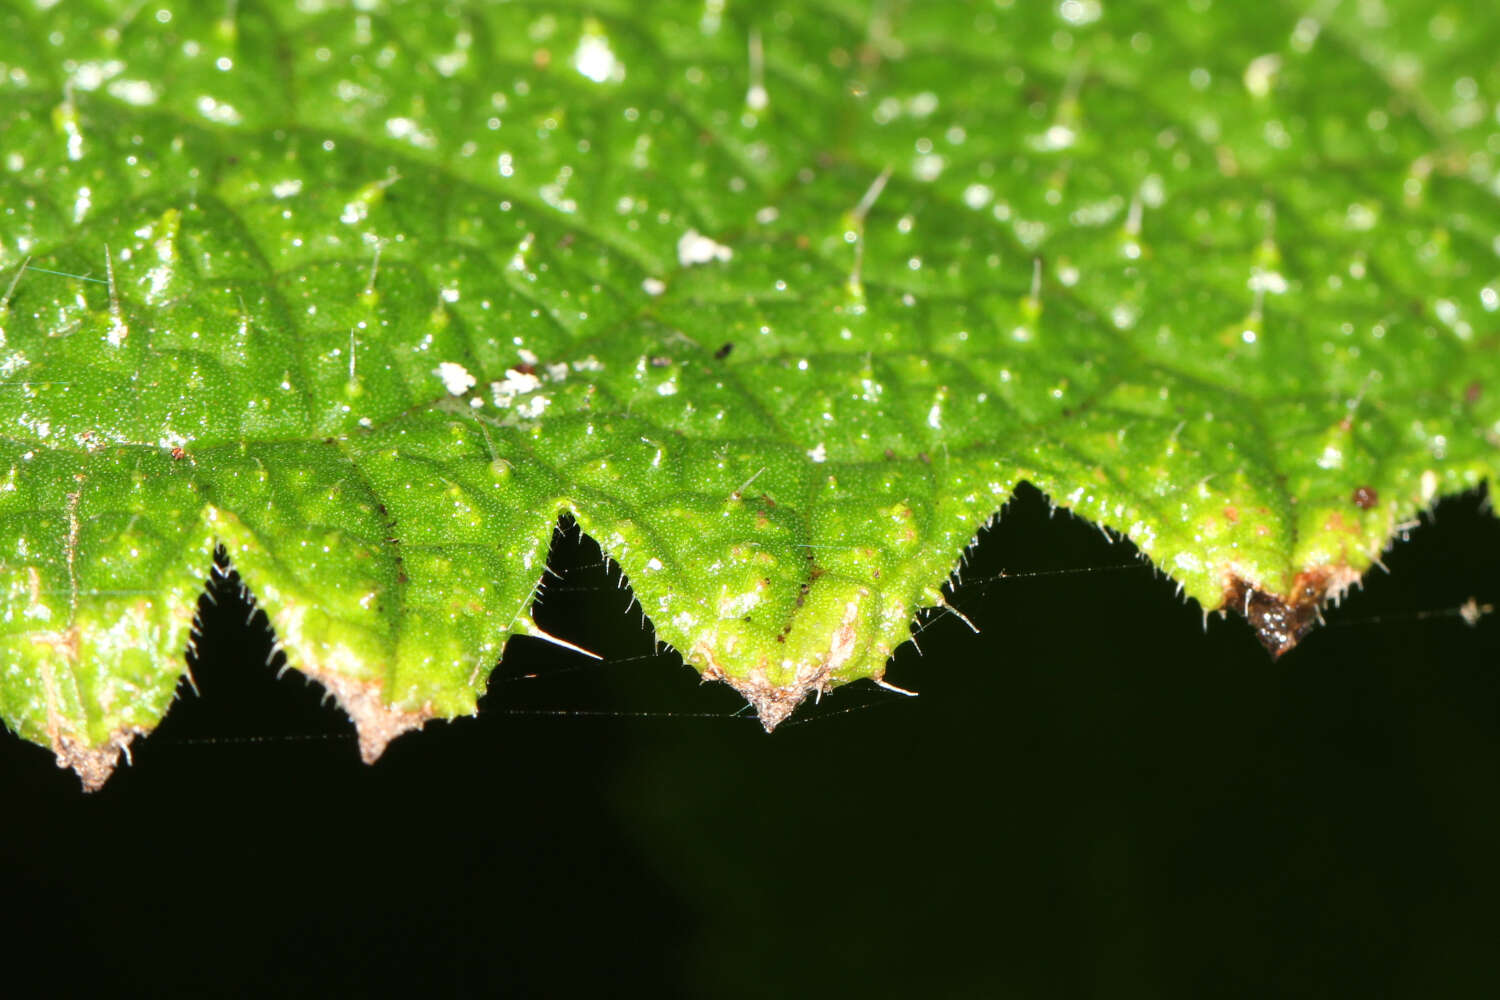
point(778, 301)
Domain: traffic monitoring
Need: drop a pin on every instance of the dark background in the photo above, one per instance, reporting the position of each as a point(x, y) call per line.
point(1092, 797)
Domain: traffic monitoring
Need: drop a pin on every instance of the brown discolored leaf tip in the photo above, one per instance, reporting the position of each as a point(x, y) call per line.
point(376, 722)
point(92, 764)
point(1281, 622)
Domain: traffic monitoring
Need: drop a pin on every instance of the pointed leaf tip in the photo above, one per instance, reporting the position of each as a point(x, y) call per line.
point(1280, 622)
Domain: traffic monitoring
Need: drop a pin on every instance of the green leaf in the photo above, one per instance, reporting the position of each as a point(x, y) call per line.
point(779, 302)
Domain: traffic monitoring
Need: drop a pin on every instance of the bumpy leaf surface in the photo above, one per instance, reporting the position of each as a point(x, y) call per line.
point(778, 300)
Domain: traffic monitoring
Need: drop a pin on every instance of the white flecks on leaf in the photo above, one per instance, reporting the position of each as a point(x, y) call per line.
point(928, 166)
point(456, 378)
point(653, 286)
point(1260, 74)
point(410, 130)
point(1080, 12)
point(137, 92)
point(1268, 282)
point(595, 60)
point(534, 407)
point(818, 454)
point(695, 248)
point(514, 384)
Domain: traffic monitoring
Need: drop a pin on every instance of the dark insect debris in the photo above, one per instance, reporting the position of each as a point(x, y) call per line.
point(1279, 623)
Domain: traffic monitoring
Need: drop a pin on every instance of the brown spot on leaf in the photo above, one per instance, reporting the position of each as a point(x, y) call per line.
point(376, 722)
point(1232, 514)
point(774, 702)
point(93, 765)
point(1281, 621)
point(1365, 497)
point(1279, 624)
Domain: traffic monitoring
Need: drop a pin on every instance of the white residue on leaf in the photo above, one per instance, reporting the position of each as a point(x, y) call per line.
point(695, 248)
point(410, 130)
point(220, 112)
point(93, 74)
point(738, 605)
point(515, 383)
point(1267, 281)
point(1260, 74)
point(534, 407)
point(41, 428)
point(976, 196)
point(137, 92)
point(1056, 137)
point(1080, 12)
point(928, 166)
point(456, 378)
point(653, 286)
point(818, 454)
point(595, 60)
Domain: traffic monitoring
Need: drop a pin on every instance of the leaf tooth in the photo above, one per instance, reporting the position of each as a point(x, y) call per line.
point(1280, 621)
